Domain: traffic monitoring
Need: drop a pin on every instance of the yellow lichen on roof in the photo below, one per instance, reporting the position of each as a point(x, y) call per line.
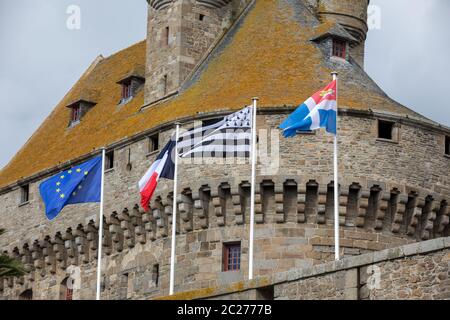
point(55, 143)
point(270, 56)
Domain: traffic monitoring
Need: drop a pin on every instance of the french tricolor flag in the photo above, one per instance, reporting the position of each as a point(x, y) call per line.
point(163, 167)
point(319, 111)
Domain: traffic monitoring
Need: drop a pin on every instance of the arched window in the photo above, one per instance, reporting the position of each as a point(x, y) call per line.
point(26, 295)
point(66, 291)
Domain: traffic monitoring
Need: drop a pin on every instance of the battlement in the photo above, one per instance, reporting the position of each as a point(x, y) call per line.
point(371, 219)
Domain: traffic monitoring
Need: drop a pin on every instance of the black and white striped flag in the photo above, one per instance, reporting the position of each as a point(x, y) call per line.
point(227, 138)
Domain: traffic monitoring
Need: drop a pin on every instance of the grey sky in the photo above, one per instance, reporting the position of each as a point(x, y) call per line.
point(40, 59)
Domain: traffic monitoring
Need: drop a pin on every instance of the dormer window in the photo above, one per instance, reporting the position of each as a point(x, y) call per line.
point(126, 90)
point(131, 84)
point(77, 110)
point(335, 42)
point(76, 114)
point(339, 48)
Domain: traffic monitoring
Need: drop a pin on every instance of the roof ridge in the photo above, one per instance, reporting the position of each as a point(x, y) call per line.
point(112, 55)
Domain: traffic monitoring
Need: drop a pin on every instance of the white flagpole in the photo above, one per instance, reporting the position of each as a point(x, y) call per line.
point(336, 182)
point(252, 196)
point(174, 214)
point(100, 227)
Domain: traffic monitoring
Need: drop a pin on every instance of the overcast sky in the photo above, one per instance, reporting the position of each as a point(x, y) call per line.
point(41, 58)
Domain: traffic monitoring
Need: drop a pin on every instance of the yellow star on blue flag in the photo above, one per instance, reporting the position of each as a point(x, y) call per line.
point(80, 184)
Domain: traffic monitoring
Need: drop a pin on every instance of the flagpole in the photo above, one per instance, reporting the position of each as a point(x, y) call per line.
point(174, 213)
point(100, 227)
point(336, 182)
point(252, 196)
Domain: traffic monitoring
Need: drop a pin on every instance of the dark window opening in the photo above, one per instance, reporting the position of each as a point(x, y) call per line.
point(109, 160)
point(155, 274)
point(385, 129)
point(232, 256)
point(339, 48)
point(165, 84)
point(76, 113)
point(266, 293)
point(153, 143)
point(447, 146)
point(126, 91)
point(206, 123)
point(24, 193)
point(66, 291)
point(26, 295)
point(166, 36)
point(201, 17)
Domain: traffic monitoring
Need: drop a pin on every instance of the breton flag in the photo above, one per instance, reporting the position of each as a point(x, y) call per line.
point(163, 167)
point(80, 184)
point(227, 138)
point(319, 111)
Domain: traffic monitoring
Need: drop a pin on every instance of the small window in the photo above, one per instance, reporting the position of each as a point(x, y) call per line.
point(201, 17)
point(232, 256)
point(339, 48)
point(165, 84)
point(385, 129)
point(76, 113)
point(109, 160)
point(24, 193)
point(126, 91)
point(66, 290)
point(155, 274)
point(206, 123)
point(26, 295)
point(166, 36)
point(447, 145)
point(153, 143)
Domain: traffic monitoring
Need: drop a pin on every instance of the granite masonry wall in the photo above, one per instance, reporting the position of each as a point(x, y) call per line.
point(180, 33)
point(392, 193)
point(420, 275)
point(411, 272)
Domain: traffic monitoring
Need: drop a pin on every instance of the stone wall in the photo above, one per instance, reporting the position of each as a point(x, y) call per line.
point(391, 194)
point(194, 27)
point(418, 271)
point(415, 271)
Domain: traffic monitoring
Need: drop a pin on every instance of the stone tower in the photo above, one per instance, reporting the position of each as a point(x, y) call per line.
point(180, 33)
point(351, 14)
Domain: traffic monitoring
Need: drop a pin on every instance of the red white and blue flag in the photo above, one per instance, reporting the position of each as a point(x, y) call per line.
point(319, 111)
point(163, 167)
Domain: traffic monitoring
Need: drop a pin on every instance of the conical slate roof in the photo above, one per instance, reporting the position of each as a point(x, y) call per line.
point(268, 53)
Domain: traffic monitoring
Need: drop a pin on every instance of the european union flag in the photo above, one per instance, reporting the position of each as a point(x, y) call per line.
point(80, 184)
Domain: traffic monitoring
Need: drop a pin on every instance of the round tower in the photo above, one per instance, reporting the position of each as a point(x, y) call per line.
point(180, 33)
point(352, 15)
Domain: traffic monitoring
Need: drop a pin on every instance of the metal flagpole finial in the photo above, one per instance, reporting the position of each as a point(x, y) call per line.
point(334, 74)
point(255, 98)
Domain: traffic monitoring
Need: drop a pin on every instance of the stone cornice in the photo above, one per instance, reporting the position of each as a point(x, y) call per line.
point(432, 126)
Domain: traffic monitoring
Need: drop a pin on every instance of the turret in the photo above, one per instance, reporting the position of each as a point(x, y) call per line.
point(352, 15)
point(180, 33)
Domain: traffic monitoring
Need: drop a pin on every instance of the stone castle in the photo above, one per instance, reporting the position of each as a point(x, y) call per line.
point(204, 59)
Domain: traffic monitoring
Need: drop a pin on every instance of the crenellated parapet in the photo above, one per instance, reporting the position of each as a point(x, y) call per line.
point(373, 211)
